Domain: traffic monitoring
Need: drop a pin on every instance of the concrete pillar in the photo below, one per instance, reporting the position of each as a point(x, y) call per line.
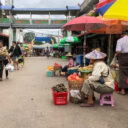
point(10, 36)
point(49, 18)
point(14, 35)
point(30, 18)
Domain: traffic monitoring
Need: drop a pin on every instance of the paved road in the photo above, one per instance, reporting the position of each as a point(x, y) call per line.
point(26, 102)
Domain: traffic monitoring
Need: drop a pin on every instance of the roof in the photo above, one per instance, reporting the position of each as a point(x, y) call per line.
point(56, 11)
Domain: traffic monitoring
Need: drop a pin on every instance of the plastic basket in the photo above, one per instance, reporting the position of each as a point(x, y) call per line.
point(50, 73)
point(60, 98)
point(72, 71)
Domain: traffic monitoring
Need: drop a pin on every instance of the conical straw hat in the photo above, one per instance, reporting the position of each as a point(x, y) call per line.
point(95, 55)
point(69, 55)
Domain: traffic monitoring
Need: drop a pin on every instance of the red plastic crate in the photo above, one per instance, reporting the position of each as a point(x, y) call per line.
point(60, 98)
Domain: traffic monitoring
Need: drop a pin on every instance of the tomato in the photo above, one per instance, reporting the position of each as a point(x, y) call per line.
point(75, 74)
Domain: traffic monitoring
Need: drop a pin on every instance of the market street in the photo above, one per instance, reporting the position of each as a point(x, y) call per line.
point(26, 102)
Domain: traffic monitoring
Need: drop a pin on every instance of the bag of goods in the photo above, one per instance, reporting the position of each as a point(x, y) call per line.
point(50, 68)
point(60, 94)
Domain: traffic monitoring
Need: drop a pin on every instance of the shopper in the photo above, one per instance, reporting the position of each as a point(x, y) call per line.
point(3, 55)
point(70, 63)
point(122, 54)
point(100, 81)
point(15, 54)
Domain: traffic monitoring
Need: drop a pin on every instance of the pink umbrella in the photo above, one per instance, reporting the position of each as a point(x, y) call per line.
point(84, 23)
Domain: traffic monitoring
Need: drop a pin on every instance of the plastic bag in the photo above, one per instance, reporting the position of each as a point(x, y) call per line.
point(75, 94)
point(9, 67)
point(114, 62)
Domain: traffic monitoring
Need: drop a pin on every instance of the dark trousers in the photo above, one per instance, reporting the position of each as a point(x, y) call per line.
point(2, 63)
point(1, 69)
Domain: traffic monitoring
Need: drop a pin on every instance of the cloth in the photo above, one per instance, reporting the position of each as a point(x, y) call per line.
point(89, 87)
point(71, 63)
point(65, 69)
point(122, 45)
point(123, 70)
point(100, 68)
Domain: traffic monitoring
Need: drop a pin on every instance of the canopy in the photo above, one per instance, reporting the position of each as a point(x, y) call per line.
point(119, 10)
point(70, 39)
point(113, 26)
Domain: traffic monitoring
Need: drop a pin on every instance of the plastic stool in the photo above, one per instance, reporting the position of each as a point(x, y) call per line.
point(110, 99)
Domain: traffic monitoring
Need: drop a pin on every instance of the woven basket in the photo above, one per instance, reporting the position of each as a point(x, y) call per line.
point(75, 85)
point(57, 68)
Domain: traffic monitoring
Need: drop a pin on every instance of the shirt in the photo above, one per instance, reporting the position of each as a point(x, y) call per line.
point(100, 68)
point(122, 45)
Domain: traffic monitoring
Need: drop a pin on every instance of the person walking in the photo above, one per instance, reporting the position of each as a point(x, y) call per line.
point(15, 54)
point(3, 60)
point(122, 54)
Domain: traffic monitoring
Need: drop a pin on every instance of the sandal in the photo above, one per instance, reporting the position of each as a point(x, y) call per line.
point(87, 105)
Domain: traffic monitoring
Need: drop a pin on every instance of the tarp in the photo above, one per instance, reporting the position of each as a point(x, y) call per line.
point(46, 39)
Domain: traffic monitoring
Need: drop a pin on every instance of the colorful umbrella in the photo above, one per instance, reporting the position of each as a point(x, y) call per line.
point(70, 39)
point(84, 23)
point(24, 45)
point(119, 10)
point(55, 45)
point(104, 8)
point(103, 3)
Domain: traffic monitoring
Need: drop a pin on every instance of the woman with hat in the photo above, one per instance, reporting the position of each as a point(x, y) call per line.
point(100, 80)
point(70, 62)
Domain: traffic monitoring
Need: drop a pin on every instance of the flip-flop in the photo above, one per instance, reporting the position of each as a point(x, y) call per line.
point(87, 105)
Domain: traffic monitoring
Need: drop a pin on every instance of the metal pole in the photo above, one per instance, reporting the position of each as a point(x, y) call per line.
point(109, 48)
point(30, 17)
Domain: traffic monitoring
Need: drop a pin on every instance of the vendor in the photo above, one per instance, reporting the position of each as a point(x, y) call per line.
point(70, 63)
point(101, 79)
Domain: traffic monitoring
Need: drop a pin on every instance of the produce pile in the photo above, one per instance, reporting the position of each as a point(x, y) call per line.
point(59, 88)
point(72, 68)
point(50, 68)
point(75, 77)
point(86, 68)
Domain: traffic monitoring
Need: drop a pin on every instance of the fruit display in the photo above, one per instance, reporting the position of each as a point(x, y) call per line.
point(75, 77)
point(59, 88)
point(86, 68)
point(50, 68)
point(72, 68)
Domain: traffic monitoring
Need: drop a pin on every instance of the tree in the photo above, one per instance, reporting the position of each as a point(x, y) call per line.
point(28, 37)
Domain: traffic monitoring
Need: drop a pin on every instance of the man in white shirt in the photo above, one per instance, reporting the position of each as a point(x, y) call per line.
point(122, 54)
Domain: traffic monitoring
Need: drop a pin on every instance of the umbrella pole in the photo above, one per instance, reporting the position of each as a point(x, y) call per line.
point(84, 48)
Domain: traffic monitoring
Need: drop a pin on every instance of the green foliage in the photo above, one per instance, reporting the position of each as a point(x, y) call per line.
point(28, 37)
point(38, 43)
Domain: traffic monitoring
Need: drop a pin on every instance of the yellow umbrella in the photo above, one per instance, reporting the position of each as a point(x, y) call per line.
point(119, 10)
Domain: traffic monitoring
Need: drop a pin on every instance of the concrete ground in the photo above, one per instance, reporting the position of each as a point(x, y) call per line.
point(26, 102)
